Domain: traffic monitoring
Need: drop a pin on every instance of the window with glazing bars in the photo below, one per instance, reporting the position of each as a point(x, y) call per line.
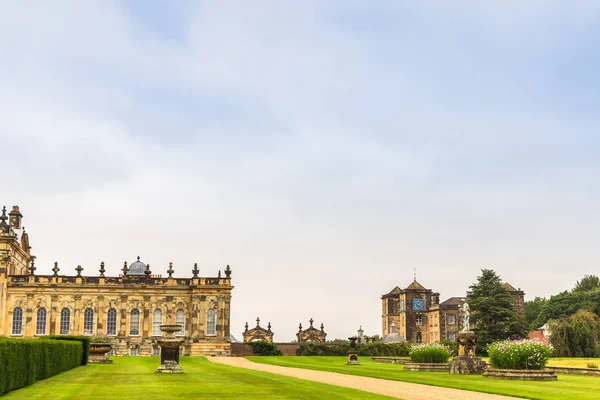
point(65, 321)
point(40, 322)
point(111, 322)
point(17, 321)
point(180, 320)
point(134, 322)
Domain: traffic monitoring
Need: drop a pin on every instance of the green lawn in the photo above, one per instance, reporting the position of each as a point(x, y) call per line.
point(573, 362)
point(571, 387)
point(134, 378)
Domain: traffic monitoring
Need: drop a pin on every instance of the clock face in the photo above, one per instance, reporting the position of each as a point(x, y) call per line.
point(418, 304)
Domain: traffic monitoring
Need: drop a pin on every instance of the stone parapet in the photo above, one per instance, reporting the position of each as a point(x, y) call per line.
point(426, 367)
point(521, 374)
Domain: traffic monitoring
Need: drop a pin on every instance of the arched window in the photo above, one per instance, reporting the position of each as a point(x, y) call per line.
point(40, 322)
point(211, 322)
point(180, 320)
point(111, 322)
point(134, 322)
point(65, 321)
point(419, 337)
point(17, 321)
point(156, 322)
point(88, 321)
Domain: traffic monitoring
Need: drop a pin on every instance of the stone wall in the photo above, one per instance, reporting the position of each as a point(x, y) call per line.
point(245, 349)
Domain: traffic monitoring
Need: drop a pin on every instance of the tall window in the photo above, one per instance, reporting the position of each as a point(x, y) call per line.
point(134, 322)
point(180, 320)
point(40, 322)
point(452, 336)
point(211, 322)
point(419, 337)
point(65, 321)
point(156, 322)
point(88, 321)
point(419, 321)
point(401, 305)
point(17, 321)
point(111, 322)
point(451, 319)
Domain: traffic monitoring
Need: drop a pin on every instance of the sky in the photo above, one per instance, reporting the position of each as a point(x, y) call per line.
point(324, 149)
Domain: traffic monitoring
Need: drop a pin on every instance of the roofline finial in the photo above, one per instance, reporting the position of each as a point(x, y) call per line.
point(415, 274)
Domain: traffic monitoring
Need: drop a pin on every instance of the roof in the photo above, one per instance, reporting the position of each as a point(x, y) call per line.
point(452, 301)
point(395, 290)
point(416, 285)
point(393, 338)
point(509, 287)
point(137, 268)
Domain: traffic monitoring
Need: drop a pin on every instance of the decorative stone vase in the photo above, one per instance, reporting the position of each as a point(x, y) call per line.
point(352, 354)
point(169, 350)
point(98, 353)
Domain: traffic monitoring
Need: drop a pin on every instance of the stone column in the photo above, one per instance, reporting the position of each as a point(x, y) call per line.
point(28, 317)
point(100, 316)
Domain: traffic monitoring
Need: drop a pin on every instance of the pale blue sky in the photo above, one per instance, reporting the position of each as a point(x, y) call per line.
point(312, 145)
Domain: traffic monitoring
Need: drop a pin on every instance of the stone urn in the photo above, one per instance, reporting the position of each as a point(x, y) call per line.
point(98, 353)
point(169, 350)
point(352, 354)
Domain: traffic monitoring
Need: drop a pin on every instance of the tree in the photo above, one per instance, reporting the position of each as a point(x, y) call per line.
point(576, 336)
point(492, 312)
point(533, 308)
point(589, 282)
point(565, 304)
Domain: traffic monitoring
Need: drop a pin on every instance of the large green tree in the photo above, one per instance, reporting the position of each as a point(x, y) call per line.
point(589, 282)
point(566, 304)
point(492, 314)
point(577, 335)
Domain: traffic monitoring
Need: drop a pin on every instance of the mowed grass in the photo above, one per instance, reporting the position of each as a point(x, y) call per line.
point(566, 387)
point(134, 378)
point(573, 362)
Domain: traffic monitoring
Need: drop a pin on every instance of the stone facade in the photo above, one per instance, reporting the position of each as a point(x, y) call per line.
point(311, 334)
point(258, 333)
point(127, 308)
point(420, 317)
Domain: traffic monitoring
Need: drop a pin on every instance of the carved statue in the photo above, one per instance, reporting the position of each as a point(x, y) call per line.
point(465, 313)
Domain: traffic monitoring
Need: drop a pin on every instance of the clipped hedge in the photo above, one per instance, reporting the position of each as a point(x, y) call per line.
point(368, 349)
point(430, 353)
point(25, 361)
point(264, 348)
point(84, 340)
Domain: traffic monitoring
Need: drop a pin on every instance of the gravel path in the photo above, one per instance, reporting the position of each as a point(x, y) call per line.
point(402, 390)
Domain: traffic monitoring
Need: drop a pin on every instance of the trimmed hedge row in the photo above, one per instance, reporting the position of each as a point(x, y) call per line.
point(368, 349)
point(264, 348)
point(25, 361)
point(85, 343)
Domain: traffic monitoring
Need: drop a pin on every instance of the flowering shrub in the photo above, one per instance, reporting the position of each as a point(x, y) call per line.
point(519, 354)
point(429, 353)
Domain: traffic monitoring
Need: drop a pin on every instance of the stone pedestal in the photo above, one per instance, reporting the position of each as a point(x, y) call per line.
point(169, 351)
point(466, 362)
point(352, 354)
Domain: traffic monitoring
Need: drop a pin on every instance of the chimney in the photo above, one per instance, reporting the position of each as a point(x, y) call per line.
point(15, 218)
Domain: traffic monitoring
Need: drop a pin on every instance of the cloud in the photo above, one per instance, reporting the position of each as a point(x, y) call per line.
point(314, 146)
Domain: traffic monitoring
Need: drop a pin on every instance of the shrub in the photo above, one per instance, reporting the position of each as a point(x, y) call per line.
point(592, 365)
point(25, 361)
point(264, 348)
point(384, 349)
point(452, 345)
point(519, 354)
point(318, 349)
point(429, 353)
point(102, 339)
point(85, 344)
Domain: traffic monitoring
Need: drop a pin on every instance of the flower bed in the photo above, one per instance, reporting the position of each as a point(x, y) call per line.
point(519, 354)
point(430, 353)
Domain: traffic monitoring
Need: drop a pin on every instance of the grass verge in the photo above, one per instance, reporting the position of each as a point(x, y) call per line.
point(573, 387)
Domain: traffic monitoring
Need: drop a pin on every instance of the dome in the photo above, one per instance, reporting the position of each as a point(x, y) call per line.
point(393, 338)
point(136, 268)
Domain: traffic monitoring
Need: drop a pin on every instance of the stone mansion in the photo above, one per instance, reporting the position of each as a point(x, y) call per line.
point(416, 315)
point(128, 308)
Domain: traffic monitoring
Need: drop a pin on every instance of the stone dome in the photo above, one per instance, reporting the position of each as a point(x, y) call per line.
point(136, 268)
point(393, 336)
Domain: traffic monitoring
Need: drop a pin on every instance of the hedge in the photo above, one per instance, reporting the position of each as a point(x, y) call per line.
point(25, 361)
point(85, 343)
point(369, 349)
point(264, 348)
point(430, 353)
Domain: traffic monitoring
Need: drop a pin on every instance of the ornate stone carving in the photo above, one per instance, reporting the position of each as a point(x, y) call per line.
point(311, 334)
